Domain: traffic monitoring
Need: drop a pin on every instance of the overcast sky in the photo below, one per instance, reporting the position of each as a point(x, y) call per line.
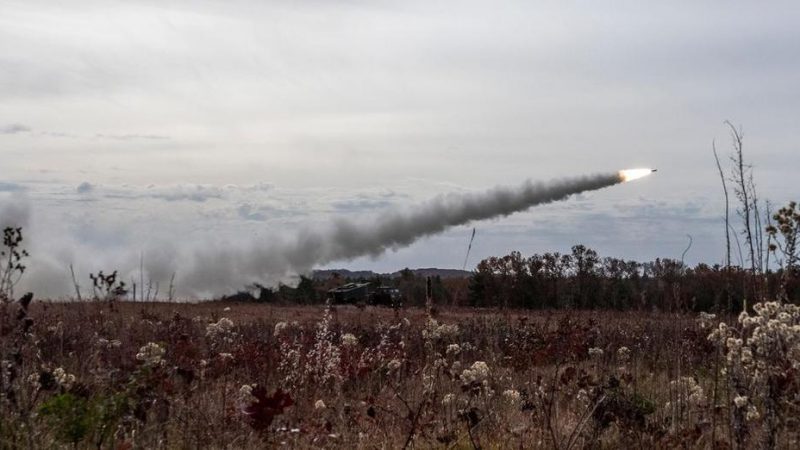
point(168, 127)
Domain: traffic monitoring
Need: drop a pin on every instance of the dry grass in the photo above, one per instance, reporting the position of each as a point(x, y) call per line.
point(231, 377)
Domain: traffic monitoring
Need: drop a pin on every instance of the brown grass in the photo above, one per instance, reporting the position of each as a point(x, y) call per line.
point(397, 386)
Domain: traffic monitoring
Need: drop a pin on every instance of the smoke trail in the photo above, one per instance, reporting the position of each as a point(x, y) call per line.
point(15, 211)
point(217, 270)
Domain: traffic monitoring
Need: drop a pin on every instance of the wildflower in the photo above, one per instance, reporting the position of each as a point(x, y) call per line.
point(280, 328)
point(478, 372)
point(433, 330)
point(64, 379)
point(740, 401)
point(349, 340)
point(448, 399)
point(595, 352)
point(705, 320)
point(222, 327)
point(511, 395)
point(319, 404)
point(453, 349)
point(734, 343)
point(246, 390)
point(325, 355)
point(394, 365)
point(747, 356)
point(428, 382)
point(752, 413)
point(743, 316)
point(108, 344)
point(150, 354)
point(688, 389)
point(33, 379)
point(226, 356)
point(246, 396)
point(582, 397)
point(624, 354)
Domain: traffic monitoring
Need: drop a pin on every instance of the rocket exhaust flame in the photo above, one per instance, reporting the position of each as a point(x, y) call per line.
point(223, 270)
point(634, 174)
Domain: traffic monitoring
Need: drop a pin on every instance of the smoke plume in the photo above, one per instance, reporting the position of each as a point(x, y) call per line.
point(220, 270)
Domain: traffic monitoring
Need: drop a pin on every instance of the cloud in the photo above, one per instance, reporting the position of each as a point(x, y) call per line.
point(131, 137)
point(17, 128)
point(11, 187)
point(193, 193)
point(15, 211)
point(174, 193)
point(85, 188)
point(368, 201)
point(361, 204)
point(101, 236)
point(14, 128)
point(246, 212)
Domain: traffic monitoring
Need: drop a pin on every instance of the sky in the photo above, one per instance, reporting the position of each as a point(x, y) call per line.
point(154, 131)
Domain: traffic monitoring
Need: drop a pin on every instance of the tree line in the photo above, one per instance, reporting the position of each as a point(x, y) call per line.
point(582, 279)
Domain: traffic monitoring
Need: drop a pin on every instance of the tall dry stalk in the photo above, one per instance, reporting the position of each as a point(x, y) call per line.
point(727, 228)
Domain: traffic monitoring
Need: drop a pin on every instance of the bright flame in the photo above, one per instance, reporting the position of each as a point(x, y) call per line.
point(634, 174)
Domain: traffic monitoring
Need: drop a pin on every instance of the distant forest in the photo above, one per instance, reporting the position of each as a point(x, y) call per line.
point(581, 279)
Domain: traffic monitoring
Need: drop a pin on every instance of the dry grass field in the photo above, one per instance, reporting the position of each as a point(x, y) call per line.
point(220, 375)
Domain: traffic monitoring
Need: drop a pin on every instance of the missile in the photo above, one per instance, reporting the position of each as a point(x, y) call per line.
point(634, 174)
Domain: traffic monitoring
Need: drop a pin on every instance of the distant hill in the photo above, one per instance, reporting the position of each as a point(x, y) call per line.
point(422, 272)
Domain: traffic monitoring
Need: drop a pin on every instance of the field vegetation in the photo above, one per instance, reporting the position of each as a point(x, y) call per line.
point(226, 375)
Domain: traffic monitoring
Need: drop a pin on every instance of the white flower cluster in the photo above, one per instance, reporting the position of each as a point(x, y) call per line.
point(151, 354)
point(448, 399)
point(108, 344)
point(453, 349)
point(765, 345)
point(246, 396)
point(706, 320)
point(687, 391)
point(223, 328)
point(349, 340)
point(477, 373)
point(623, 354)
point(743, 402)
point(324, 359)
point(280, 328)
point(512, 396)
point(769, 339)
point(595, 352)
point(583, 397)
point(434, 330)
point(5, 369)
point(64, 379)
